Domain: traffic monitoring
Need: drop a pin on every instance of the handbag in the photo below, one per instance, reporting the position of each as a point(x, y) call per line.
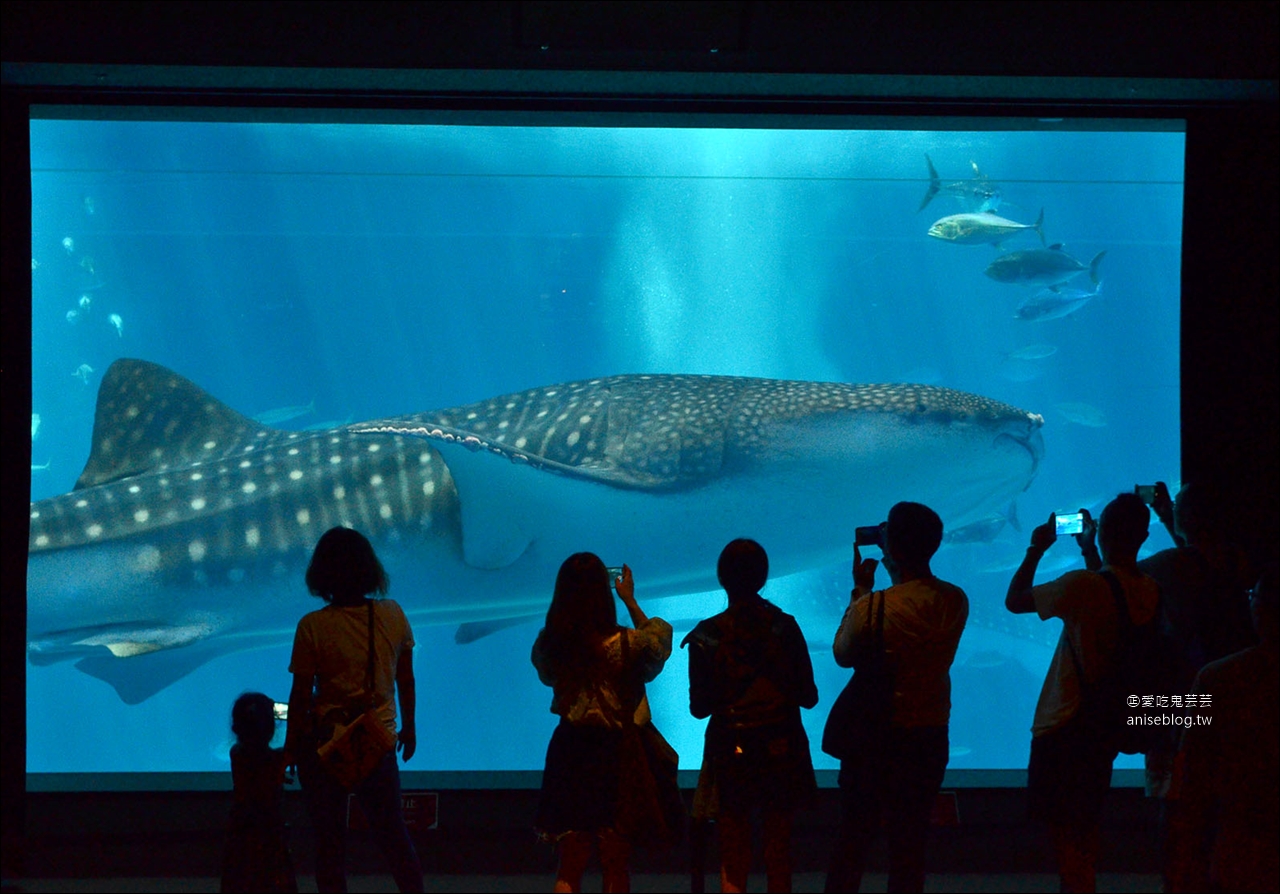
point(650, 808)
point(860, 716)
point(355, 748)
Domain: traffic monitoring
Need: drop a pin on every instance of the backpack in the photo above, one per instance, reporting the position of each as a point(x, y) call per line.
point(1146, 663)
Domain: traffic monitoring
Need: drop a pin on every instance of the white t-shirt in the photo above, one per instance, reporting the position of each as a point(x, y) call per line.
point(332, 646)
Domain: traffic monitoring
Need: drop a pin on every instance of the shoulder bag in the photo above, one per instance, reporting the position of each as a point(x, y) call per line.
point(355, 748)
point(650, 808)
point(860, 716)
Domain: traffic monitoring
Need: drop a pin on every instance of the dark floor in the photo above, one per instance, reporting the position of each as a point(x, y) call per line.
point(804, 881)
point(483, 841)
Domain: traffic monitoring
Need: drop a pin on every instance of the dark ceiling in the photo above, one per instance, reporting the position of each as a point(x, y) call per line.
point(1126, 40)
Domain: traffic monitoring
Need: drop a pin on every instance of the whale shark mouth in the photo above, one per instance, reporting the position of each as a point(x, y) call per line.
point(1029, 438)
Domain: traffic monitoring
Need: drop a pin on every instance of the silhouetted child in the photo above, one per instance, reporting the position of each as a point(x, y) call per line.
point(257, 856)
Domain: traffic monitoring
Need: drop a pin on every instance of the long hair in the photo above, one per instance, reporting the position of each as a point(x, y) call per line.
point(344, 568)
point(582, 614)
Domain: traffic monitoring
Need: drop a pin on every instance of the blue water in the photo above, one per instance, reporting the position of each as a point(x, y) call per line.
point(379, 270)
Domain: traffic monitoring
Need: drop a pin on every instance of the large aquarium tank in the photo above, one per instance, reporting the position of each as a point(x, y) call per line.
point(490, 343)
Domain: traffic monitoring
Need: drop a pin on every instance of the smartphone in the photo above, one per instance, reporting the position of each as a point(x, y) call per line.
point(1146, 491)
point(1069, 523)
point(867, 536)
point(280, 710)
point(615, 572)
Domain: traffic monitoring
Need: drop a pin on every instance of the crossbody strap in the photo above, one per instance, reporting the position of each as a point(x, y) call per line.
point(368, 679)
point(878, 630)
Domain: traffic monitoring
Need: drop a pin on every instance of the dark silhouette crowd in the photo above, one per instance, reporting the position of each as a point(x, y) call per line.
point(1144, 645)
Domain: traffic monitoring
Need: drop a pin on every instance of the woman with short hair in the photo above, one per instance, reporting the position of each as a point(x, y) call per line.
point(330, 666)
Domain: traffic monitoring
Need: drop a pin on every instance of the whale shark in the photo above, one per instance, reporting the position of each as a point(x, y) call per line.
point(188, 532)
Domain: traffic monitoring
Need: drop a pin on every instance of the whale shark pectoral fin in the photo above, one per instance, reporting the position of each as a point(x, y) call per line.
point(490, 541)
point(491, 493)
point(138, 677)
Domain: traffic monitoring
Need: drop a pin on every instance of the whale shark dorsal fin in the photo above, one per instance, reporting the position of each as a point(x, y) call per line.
point(149, 418)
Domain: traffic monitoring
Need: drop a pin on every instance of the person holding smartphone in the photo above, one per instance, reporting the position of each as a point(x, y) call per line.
point(597, 670)
point(896, 777)
point(1070, 768)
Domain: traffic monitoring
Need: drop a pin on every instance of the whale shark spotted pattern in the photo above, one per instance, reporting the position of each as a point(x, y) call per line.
point(165, 454)
point(188, 531)
point(665, 432)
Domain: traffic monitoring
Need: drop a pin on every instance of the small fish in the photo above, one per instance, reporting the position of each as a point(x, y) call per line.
point(284, 414)
point(1014, 370)
point(982, 228)
point(1032, 352)
point(985, 660)
point(84, 370)
point(68, 244)
point(1083, 414)
point(329, 423)
point(1050, 267)
point(984, 530)
point(980, 193)
point(35, 425)
point(85, 301)
point(116, 321)
point(921, 375)
point(73, 316)
point(1053, 304)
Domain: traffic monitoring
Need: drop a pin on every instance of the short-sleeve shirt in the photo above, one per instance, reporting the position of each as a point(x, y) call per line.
point(332, 646)
point(923, 621)
point(749, 665)
point(1086, 605)
point(618, 690)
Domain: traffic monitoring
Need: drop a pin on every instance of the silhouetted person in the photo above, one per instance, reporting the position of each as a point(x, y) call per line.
point(1204, 582)
point(1070, 769)
point(257, 855)
point(1223, 838)
point(898, 778)
point(597, 671)
point(1204, 603)
point(749, 671)
point(329, 667)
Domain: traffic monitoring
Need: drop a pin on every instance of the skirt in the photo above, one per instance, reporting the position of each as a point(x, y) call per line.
point(579, 781)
